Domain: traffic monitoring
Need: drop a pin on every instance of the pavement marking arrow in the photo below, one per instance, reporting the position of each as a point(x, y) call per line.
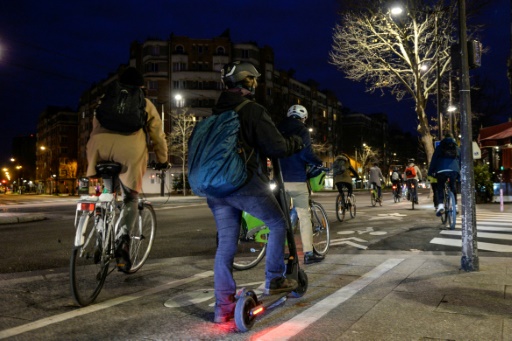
point(359, 246)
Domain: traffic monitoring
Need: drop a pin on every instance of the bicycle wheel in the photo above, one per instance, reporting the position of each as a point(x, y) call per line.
point(252, 246)
point(321, 236)
point(444, 216)
point(142, 237)
point(352, 206)
point(340, 208)
point(451, 210)
point(373, 198)
point(87, 269)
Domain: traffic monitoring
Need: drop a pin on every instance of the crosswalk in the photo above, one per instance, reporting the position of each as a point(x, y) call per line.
point(494, 232)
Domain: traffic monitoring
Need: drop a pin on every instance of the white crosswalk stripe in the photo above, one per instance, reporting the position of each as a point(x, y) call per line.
point(494, 232)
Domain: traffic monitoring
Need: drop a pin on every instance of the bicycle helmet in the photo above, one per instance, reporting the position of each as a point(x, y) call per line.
point(298, 111)
point(410, 161)
point(232, 74)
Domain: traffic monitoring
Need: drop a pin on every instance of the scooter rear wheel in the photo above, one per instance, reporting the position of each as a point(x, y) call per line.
point(302, 279)
point(243, 319)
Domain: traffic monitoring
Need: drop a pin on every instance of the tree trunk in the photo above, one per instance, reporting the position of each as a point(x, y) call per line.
point(424, 131)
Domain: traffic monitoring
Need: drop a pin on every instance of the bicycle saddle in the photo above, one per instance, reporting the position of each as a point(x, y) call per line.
point(109, 168)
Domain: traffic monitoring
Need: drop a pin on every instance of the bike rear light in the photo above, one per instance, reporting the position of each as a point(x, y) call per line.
point(86, 206)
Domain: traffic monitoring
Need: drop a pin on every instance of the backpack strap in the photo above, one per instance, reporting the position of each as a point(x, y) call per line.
point(238, 107)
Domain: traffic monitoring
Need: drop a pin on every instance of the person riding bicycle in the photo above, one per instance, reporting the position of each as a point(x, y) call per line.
point(343, 173)
point(258, 133)
point(294, 176)
point(374, 179)
point(397, 180)
point(412, 176)
point(131, 151)
point(445, 164)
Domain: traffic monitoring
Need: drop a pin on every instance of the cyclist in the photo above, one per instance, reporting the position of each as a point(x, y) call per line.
point(259, 132)
point(343, 173)
point(374, 178)
point(412, 175)
point(130, 150)
point(397, 180)
point(294, 175)
point(445, 164)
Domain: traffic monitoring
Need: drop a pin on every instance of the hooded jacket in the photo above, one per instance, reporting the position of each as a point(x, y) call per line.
point(440, 164)
point(258, 133)
point(294, 167)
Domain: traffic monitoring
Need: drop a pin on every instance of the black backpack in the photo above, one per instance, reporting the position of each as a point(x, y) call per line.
point(339, 166)
point(122, 108)
point(449, 150)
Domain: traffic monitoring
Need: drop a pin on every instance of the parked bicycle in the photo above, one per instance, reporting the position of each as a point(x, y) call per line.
point(96, 222)
point(345, 202)
point(374, 197)
point(450, 210)
point(253, 239)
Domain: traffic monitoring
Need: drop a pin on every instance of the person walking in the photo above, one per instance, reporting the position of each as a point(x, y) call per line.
point(444, 166)
point(258, 133)
point(294, 175)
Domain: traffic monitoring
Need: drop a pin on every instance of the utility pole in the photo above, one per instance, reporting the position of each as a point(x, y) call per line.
point(469, 260)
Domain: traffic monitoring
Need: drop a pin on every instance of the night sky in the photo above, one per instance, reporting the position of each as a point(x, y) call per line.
point(51, 51)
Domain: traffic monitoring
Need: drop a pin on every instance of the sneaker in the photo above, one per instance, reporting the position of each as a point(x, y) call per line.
point(281, 284)
point(122, 254)
point(224, 313)
point(440, 210)
point(311, 257)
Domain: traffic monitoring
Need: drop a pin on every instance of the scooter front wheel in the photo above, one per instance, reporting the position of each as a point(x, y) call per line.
point(243, 319)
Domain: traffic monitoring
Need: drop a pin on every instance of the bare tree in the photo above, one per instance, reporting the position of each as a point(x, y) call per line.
point(401, 53)
point(183, 123)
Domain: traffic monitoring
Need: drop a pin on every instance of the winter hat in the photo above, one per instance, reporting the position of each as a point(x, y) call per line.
point(131, 76)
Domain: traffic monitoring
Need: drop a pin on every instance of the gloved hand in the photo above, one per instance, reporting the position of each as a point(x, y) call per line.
point(162, 166)
point(325, 169)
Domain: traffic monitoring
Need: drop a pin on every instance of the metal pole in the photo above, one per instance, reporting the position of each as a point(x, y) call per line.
point(469, 260)
point(438, 81)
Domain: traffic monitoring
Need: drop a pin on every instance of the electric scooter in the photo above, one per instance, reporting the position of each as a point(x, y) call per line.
point(249, 305)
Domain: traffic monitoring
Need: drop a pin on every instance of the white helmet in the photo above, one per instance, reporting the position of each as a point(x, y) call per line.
point(298, 110)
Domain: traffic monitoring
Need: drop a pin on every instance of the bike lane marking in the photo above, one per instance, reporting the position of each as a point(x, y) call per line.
point(99, 306)
point(300, 322)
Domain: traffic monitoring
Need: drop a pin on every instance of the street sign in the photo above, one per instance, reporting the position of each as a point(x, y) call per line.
point(477, 153)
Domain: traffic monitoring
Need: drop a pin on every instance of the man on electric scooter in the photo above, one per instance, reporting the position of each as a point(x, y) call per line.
point(260, 139)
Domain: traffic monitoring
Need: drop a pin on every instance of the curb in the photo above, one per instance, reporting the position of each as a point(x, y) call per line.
point(21, 219)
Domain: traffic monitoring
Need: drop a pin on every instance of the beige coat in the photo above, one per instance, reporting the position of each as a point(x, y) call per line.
point(129, 149)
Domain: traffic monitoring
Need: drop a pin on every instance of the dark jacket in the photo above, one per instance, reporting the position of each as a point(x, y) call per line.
point(258, 133)
point(440, 164)
point(294, 167)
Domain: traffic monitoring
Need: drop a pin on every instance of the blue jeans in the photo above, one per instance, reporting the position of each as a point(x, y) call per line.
point(227, 213)
point(441, 179)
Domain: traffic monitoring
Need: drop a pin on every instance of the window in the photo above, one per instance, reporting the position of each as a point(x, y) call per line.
point(180, 49)
point(155, 50)
point(245, 53)
point(179, 66)
point(152, 85)
point(221, 50)
point(151, 67)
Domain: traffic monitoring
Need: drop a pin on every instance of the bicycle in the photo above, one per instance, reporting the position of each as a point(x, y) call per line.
point(252, 243)
point(396, 196)
point(94, 246)
point(345, 202)
point(450, 211)
point(412, 193)
point(374, 196)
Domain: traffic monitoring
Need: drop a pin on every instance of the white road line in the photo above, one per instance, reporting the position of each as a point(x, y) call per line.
point(300, 322)
point(481, 245)
point(481, 235)
point(99, 306)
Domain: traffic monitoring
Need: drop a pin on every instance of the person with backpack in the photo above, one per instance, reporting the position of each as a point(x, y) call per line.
point(294, 175)
point(445, 164)
point(397, 180)
point(259, 139)
point(343, 172)
point(128, 147)
point(374, 179)
point(412, 176)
